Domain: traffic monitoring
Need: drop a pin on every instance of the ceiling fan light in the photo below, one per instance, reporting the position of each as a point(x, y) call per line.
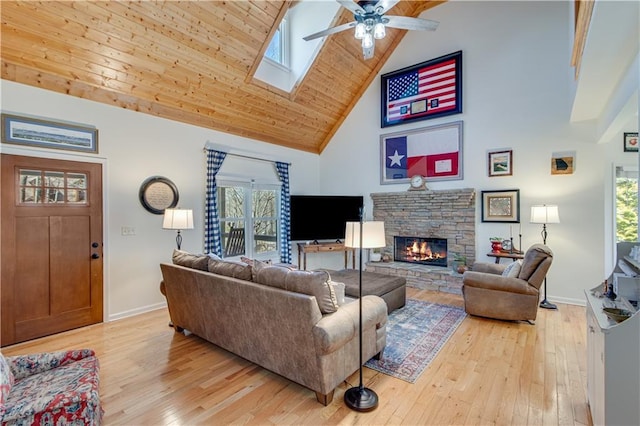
point(379, 31)
point(367, 41)
point(360, 31)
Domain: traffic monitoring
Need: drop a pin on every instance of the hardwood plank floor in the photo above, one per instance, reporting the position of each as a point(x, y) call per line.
point(489, 372)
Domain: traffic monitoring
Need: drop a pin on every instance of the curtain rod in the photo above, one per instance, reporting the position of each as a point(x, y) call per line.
point(250, 157)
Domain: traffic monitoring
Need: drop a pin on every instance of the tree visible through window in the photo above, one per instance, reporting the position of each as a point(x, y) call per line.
point(277, 50)
point(626, 204)
point(246, 207)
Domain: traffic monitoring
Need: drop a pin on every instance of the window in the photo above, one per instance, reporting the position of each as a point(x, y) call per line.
point(278, 47)
point(52, 187)
point(626, 203)
point(249, 206)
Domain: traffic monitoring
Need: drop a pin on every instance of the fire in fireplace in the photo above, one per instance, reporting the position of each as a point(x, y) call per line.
point(425, 251)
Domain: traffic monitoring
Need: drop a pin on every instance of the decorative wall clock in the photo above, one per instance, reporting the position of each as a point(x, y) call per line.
point(158, 193)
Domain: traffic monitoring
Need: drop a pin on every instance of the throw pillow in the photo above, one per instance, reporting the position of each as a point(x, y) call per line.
point(339, 288)
point(186, 259)
point(312, 283)
point(513, 269)
point(256, 265)
point(230, 268)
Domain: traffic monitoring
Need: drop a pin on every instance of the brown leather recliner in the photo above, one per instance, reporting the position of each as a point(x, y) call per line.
point(487, 293)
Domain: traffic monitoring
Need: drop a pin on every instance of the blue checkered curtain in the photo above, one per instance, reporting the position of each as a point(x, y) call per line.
point(212, 234)
point(285, 213)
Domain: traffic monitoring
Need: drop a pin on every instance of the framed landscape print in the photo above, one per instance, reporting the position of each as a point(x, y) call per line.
point(501, 206)
point(433, 152)
point(500, 163)
point(48, 134)
point(427, 90)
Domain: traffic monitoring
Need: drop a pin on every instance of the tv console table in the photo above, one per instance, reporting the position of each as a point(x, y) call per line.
point(304, 248)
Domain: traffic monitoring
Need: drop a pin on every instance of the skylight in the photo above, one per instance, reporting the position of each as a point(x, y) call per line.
point(306, 17)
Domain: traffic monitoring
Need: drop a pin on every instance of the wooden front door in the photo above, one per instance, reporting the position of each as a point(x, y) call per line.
point(51, 247)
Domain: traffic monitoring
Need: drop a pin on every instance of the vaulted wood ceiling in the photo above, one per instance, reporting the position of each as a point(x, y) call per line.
point(192, 62)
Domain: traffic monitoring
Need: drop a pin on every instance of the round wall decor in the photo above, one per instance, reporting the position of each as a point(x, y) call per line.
point(158, 193)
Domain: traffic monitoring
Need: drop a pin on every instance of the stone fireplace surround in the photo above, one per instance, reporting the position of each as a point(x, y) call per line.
point(449, 214)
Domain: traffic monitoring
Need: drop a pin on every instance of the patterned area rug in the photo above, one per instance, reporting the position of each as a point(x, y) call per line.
point(415, 335)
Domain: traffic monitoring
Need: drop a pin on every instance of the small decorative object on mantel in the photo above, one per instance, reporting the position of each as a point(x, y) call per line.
point(459, 263)
point(418, 183)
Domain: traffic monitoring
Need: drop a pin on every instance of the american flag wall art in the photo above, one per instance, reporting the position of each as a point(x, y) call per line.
point(426, 90)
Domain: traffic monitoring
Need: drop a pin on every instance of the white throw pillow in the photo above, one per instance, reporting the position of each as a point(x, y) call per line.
point(513, 269)
point(339, 287)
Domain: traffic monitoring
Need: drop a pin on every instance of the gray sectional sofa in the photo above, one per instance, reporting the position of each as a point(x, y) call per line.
point(285, 320)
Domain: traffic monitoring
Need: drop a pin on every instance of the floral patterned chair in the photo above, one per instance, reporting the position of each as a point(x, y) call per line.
point(54, 388)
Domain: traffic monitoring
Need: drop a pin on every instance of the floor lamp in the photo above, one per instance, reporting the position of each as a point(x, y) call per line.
point(362, 235)
point(178, 219)
point(545, 214)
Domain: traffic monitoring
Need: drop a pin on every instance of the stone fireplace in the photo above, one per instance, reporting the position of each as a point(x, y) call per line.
point(421, 251)
point(432, 214)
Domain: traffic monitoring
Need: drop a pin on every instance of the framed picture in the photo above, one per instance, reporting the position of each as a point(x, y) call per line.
point(500, 163)
point(501, 206)
point(630, 142)
point(158, 193)
point(48, 134)
point(434, 153)
point(563, 163)
point(427, 90)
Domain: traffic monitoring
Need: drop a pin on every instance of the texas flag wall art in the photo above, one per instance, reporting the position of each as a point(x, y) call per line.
point(433, 152)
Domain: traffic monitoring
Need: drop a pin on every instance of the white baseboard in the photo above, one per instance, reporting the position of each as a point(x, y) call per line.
point(137, 311)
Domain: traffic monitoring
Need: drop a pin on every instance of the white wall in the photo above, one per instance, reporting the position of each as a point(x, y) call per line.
point(132, 147)
point(517, 94)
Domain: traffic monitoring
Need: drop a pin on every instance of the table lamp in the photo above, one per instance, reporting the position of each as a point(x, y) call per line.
point(178, 219)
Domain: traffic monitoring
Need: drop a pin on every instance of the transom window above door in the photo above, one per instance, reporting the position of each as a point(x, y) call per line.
point(52, 187)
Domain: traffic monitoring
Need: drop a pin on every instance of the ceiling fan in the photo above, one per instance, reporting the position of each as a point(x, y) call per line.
point(370, 22)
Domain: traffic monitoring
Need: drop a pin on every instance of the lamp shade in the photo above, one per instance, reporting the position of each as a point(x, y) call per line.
point(545, 214)
point(372, 234)
point(178, 219)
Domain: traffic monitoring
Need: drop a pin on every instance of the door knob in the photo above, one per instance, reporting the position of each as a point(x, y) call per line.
point(95, 256)
point(95, 244)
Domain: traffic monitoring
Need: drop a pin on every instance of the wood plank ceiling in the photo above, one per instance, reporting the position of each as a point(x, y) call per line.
point(192, 62)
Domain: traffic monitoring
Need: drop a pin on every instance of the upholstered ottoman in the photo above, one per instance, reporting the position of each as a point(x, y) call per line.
point(392, 289)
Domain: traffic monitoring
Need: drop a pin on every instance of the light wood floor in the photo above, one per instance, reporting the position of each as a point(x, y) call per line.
point(489, 372)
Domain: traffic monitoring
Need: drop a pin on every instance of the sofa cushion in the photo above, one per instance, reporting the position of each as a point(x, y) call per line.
point(195, 261)
point(230, 268)
point(313, 283)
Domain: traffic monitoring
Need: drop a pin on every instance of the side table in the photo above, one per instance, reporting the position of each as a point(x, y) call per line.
point(506, 255)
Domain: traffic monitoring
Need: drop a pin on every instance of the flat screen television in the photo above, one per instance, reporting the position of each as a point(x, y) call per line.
point(323, 217)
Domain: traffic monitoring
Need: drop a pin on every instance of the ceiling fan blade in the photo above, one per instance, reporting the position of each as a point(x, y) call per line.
point(328, 31)
point(386, 5)
point(351, 5)
point(407, 23)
